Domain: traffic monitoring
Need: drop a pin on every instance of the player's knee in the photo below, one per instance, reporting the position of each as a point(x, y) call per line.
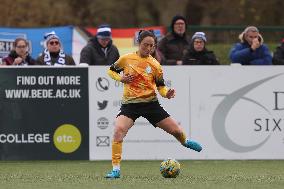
point(119, 133)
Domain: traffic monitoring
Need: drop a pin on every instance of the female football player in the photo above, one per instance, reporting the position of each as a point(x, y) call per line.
point(142, 74)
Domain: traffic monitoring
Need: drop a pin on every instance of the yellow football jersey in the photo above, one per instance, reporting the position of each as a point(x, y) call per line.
point(148, 76)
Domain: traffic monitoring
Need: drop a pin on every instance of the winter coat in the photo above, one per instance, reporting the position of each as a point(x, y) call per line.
point(205, 57)
point(9, 60)
point(172, 48)
point(243, 54)
point(278, 56)
point(69, 61)
point(93, 53)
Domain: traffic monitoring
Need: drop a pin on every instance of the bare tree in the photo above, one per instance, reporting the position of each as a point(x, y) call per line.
point(139, 13)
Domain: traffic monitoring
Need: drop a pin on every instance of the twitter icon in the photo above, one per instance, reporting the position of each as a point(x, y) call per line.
point(102, 105)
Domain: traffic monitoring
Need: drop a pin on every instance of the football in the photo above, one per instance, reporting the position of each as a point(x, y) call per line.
point(170, 168)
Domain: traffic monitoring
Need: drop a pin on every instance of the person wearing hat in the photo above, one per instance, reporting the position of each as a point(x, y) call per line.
point(197, 54)
point(172, 46)
point(53, 54)
point(100, 49)
point(250, 50)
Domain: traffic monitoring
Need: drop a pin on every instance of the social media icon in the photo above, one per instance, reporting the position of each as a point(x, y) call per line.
point(102, 123)
point(102, 105)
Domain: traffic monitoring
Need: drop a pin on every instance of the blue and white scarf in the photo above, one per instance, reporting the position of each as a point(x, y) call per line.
point(60, 59)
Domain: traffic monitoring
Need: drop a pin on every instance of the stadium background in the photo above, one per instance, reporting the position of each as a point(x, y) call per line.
point(220, 38)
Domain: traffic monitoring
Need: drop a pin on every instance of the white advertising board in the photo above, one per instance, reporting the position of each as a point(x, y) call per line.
point(235, 112)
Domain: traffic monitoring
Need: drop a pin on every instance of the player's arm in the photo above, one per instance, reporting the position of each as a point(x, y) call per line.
point(114, 73)
point(165, 92)
point(160, 83)
point(116, 68)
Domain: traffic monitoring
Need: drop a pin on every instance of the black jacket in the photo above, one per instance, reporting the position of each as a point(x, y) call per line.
point(278, 56)
point(204, 57)
point(172, 48)
point(93, 54)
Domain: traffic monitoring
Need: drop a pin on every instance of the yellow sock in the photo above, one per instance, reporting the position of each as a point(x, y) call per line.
point(181, 138)
point(116, 153)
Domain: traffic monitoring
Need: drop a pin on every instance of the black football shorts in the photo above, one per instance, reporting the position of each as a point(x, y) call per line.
point(152, 111)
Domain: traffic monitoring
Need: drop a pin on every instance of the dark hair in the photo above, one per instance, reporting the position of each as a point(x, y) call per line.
point(146, 33)
point(17, 40)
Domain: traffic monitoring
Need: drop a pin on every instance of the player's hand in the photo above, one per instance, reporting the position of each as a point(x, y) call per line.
point(255, 44)
point(127, 78)
point(171, 93)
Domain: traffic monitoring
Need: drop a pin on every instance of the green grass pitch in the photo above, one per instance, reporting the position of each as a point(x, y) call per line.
point(200, 174)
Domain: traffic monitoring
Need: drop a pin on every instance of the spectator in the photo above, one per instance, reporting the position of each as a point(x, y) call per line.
point(251, 50)
point(278, 56)
point(53, 54)
point(197, 54)
point(100, 50)
point(20, 54)
point(172, 46)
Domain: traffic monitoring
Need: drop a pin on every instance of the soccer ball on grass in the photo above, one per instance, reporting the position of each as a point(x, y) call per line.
point(170, 168)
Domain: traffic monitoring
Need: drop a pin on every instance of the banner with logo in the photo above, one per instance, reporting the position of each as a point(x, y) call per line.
point(35, 39)
point(44, 113)
point(143, 140)
point(235, 112)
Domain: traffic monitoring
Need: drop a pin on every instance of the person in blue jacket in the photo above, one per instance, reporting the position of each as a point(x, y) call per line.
point(251, 50)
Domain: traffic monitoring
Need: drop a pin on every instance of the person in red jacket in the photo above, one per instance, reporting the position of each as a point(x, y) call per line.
point(19, 55)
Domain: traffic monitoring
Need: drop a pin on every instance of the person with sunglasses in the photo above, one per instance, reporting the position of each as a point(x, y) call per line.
point(19, 55)
point(53, 54)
